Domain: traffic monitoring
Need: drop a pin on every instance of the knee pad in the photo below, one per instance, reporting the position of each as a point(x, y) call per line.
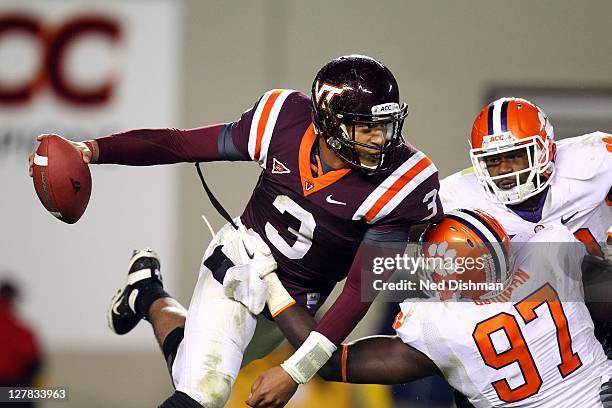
point(180, 400)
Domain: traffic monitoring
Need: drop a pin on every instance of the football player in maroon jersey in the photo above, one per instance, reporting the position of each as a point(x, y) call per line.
point(336, 175)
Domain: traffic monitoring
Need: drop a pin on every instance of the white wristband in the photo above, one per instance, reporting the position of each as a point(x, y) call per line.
point(278, 297)
point(309, 358)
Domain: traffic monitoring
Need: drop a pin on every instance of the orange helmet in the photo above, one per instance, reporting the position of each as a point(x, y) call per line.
point(509, 124)
point(469, 246)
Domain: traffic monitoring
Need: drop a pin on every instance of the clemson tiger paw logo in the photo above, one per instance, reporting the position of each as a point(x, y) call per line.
point(444, 255)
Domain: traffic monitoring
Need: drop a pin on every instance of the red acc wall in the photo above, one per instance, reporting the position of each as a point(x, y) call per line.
point(55, 42)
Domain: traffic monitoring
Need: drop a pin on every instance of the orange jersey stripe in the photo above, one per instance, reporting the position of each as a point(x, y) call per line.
point(608, 141)
point(263, 120)
point(585, 236)
point(396, 187)
point(344, 358)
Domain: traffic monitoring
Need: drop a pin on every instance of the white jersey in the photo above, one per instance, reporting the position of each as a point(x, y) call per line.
point(577, 196)
point(525, 353)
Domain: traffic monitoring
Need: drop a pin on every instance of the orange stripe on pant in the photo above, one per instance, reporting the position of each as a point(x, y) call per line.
point(396, 187)
point(263, 120)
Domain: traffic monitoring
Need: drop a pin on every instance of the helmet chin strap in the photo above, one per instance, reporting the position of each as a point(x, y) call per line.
point(333, 142)
point(374, 166)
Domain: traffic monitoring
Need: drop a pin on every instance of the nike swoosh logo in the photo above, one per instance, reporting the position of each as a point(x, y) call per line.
point(250, 254)
point(564, 221)
point(330, 200)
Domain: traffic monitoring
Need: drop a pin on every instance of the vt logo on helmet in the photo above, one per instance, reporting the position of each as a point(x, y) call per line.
point(357, 111)
point(513, 149)
point(326, 93)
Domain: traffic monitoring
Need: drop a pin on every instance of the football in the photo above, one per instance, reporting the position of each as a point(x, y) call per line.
point(61, 179)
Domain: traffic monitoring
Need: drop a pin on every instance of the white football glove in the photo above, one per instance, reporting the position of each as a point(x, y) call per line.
point(257, 251)
point(253, 261)
point(244, 246)
point(243, 284)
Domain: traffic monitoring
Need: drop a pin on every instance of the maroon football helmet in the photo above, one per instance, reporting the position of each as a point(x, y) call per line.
point(358, 90)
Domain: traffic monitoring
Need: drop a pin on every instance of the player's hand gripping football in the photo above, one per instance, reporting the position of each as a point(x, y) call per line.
point(272, 389)
point(88, 155)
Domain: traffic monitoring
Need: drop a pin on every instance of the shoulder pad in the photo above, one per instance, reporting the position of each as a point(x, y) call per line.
point(460, 188)
point(395, 187)
point(288, 98)
point(277, 108)
point(584, 157)
point(464, 175)
point(298, 98)
point(469, 170)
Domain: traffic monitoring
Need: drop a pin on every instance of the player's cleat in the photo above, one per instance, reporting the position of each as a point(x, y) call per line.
point(122, 316)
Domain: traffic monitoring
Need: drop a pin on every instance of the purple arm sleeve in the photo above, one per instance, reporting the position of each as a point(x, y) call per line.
point(348, 309)
point(145, 147)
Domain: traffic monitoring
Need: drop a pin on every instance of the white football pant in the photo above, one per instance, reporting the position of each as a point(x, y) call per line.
point(221, 335)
